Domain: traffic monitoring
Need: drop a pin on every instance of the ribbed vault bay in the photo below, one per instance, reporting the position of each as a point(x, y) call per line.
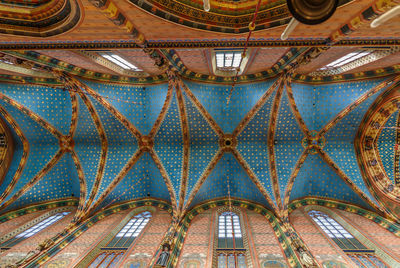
point(183, 143)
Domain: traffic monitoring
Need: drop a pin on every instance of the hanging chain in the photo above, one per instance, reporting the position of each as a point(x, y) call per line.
point(252, 26)
point(231, 218)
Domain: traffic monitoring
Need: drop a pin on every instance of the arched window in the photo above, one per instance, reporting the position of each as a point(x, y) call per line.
point(360, 255)
point(230, 249)
point(112, 253)
point(33, 230)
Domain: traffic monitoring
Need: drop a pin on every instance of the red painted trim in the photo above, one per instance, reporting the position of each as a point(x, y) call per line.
point(252, 247)
point(327, 238)
point(358, 228)
point(131, 247)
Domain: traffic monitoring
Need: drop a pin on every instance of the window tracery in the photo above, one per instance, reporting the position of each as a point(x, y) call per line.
point(113, 252)
point(43, 224)
point(230, 249)
point(357, 252)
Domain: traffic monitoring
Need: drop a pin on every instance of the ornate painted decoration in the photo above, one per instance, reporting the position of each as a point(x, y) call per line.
point(313, 143)
point(6, 149)
point(39, 18)
point(224, 16)
point(378, 144)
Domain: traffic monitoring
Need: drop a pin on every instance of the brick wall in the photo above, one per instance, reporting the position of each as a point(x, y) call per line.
point(20, 250)
point(377, 234)
point(147, 244)
point(198, 242)
point(76, 250)
point(320, 246)
point(13, 224)
point(267, 247)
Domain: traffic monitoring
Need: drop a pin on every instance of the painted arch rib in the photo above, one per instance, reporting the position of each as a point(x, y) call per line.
point(374, 88)
point(83, 187)
point(42, 147)
point(167, 180)
point(348, 181)
point(259, 104)
point(104, 147)
point(35, 179)
point(270, 145)
point(287, 144)
point(296, 111)
point(32, 115)
point(213, 98)
point(164, 109)
point(204, 143)
point(253, 143)
point(128, 166)
point(202, 179)
point(74, 115)
point(143, 181)
point(24, 157)
point(229, 178)
point(121, 145)
point(202, 110)
point(292, 179)
point(49, 106)
point(340, 138)
point(169, 145)
point(317, 178)
point(59, 183)
point(110, 108)
point(186, 147)
point(254, 178)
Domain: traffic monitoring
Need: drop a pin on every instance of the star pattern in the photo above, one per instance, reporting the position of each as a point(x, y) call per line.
point(113, 121)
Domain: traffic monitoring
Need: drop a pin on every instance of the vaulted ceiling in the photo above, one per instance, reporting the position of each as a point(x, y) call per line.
point(84, 128)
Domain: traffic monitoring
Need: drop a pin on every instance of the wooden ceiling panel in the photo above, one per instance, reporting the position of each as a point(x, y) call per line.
point(263, 59)
point(195, 60)
point(76, 59)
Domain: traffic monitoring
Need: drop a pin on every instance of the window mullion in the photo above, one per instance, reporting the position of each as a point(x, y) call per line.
point(105, 257)
point(110, 263)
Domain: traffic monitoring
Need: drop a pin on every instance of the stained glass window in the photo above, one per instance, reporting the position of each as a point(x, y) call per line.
point(358, 253)
point(229, 231)
point(33, 230)
point(230, 251)
point(111, 254)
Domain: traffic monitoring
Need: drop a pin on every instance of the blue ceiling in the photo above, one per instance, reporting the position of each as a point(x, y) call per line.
point(386, 144)
point(159, 172)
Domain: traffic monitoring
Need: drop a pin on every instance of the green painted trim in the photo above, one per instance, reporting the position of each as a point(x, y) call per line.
point(389, 225)
point(38, 207)
point(68, 237)
point(276, 224)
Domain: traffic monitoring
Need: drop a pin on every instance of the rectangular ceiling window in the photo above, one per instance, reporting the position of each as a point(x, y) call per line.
point(228, 59)
point(118, 60)
point(346, 59)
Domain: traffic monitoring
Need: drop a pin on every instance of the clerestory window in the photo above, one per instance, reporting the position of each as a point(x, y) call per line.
point(32, 230)
point(230, 249)
point(112, 253)
point(360, 255)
